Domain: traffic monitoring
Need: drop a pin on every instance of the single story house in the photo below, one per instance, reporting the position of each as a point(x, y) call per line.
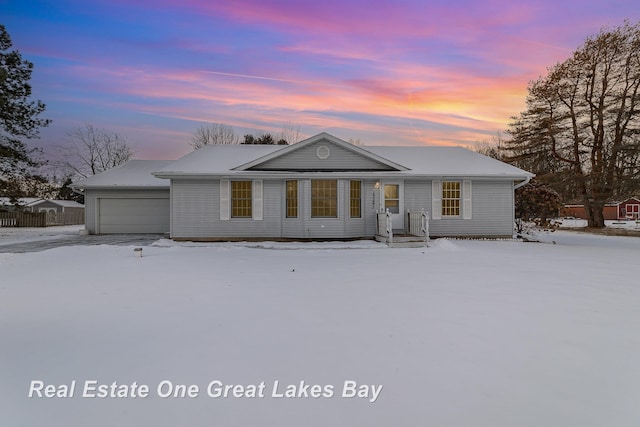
point(320, 188)
point(628, 209)
point(59, 212)
point(57, 206)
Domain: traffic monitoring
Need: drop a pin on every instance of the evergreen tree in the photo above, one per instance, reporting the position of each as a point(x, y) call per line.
point(66, 193)
point(264, 139)
point(537, 202)
point(18, 118)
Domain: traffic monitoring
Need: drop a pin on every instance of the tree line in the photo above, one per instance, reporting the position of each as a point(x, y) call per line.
point(220, 133)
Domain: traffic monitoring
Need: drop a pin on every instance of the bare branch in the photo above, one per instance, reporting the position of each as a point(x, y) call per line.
point(89, 151)
point(214, 133)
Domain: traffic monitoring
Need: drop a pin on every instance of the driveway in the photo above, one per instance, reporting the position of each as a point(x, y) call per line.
point(52, 242)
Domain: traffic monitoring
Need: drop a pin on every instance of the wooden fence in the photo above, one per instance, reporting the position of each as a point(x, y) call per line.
point(40, 219)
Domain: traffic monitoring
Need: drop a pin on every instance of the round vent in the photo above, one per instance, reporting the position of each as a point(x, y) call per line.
point(323, 152)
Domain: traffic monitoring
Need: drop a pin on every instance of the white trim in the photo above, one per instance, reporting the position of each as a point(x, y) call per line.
point(348, 191)
point(436, 199)
point(396, 218)
point(297, 146)
point(632, 210)
point(338, 201)
point(256, 194)
point(225, 200)
point(96, 219)
point(466, 199)
point(285, 208)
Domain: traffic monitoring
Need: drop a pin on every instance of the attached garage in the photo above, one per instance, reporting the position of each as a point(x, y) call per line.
point(127, 215)
point(127, 200)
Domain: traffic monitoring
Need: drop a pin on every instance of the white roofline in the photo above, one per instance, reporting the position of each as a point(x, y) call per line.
point(324, 135)
point(361, 175)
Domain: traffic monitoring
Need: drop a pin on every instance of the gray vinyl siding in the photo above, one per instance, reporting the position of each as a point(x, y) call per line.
point(492, 209)
point(304, 226)
point(91, 201)
point(370, 206)
point(196, 207)
point(196, 212)
point(492, 213)
point(417, 196)
point(305, 159)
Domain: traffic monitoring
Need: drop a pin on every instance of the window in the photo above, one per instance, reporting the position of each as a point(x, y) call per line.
point(241, 199)
point(292, 199)
point(450, 198)
point(392, 198)
point(324, 198)
point(355, 199)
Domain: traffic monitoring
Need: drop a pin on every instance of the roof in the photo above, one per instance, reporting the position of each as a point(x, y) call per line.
point(216, 158)
point(62, 203)
point(320, 137)
point(412, 161)
point(236, 159)
point(447, 161)
point(133, 174)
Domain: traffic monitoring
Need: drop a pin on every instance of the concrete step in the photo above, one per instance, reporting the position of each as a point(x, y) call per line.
point(408, 244)
point(404, 241)
point(406, 238)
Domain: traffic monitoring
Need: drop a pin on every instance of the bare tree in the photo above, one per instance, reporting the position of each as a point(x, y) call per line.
point(580, 131)
point(290, 133)
point(355, 141)
point(491, 148)
point(214, 133)
point(90, 151)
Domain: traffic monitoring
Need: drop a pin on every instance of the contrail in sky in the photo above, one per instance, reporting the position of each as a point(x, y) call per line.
point(246, 76)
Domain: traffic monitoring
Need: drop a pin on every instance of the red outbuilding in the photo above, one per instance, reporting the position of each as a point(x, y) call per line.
point(614, 211)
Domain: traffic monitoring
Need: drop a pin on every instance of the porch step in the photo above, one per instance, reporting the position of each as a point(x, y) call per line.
point(404, 241)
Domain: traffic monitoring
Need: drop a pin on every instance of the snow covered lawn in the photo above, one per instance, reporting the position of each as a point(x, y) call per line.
point(464, 333)
point(10, 235)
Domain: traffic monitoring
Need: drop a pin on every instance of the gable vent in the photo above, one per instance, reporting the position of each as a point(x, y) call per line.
point(323, 152)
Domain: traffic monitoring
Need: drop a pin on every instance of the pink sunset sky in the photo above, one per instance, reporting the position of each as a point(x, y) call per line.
point(385, 72)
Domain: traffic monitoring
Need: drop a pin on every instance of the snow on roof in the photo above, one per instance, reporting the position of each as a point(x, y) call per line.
point(445, 161)
point(67, 203)
point(218, 158)
point(321, 137)
point(133, 174)
point(433, 161)
point(421, 161)
point(63, 203)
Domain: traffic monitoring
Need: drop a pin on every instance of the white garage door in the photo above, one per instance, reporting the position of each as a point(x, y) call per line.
point(133, 216)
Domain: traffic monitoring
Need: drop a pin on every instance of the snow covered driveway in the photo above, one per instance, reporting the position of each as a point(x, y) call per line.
point(465, 333)
point(19, 240)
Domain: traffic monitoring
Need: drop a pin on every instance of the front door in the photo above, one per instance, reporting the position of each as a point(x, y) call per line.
point(392, 195)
